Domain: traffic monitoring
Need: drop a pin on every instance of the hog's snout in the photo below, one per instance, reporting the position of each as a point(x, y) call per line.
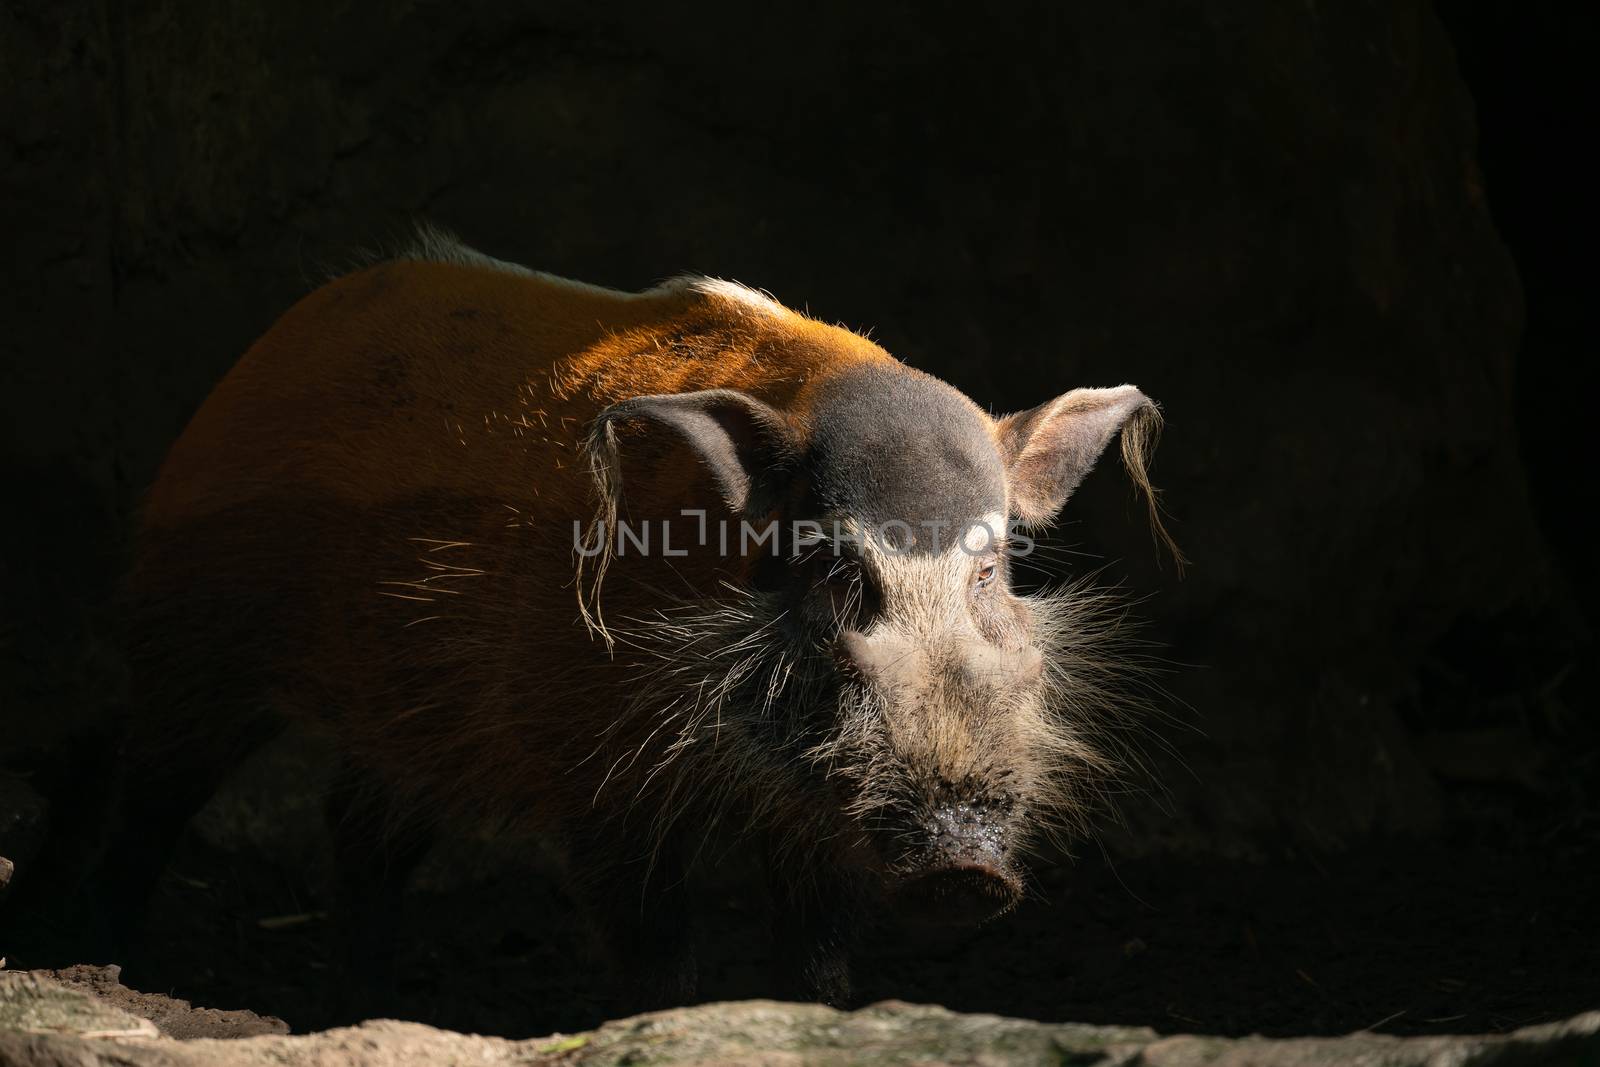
point(962, 874)
point(895, 661)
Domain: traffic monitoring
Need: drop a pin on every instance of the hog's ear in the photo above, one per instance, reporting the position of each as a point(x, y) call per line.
point(745, 445)
point(1049, 449)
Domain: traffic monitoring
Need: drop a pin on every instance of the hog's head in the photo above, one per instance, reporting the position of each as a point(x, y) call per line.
point(877, 680)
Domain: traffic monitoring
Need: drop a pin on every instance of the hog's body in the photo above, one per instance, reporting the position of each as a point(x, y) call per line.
point(370, 525)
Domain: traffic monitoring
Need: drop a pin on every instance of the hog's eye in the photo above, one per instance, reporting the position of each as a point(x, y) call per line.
point(986, 573)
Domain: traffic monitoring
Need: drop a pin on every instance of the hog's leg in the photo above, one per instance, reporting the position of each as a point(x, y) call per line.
point(162, 783)
point(637, 896)
point(816, 918)
point(376, 853)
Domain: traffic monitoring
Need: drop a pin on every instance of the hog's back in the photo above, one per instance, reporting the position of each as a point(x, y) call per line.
point(369, 524)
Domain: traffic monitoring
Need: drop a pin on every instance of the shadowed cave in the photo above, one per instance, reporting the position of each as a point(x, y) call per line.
point(1337, 242)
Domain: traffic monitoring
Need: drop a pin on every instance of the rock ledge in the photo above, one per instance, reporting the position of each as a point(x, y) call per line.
point(84, 1017)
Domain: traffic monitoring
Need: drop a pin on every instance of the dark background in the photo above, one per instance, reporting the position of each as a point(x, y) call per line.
point(1340, 242)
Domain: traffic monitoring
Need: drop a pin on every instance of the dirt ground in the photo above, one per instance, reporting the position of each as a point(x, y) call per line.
point(1472, 934)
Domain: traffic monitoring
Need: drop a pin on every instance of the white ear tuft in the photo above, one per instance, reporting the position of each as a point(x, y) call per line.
point(1049, 449)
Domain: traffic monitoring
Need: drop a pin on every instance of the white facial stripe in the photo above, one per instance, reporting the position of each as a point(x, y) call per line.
point(986, 537)
point(924, 590)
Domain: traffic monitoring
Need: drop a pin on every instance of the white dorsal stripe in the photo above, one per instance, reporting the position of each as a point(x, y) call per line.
point(434, 244)
point(730, 290)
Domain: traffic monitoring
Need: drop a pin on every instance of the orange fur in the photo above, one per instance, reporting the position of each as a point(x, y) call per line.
point(379, 500)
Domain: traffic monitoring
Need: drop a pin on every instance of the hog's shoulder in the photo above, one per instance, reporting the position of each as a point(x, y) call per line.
point(445, 368)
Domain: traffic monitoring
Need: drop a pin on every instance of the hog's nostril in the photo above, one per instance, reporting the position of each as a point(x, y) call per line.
point(963, 832)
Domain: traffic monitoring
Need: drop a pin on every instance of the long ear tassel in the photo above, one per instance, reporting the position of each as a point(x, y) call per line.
point(606, 473)
point(1140, 435)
